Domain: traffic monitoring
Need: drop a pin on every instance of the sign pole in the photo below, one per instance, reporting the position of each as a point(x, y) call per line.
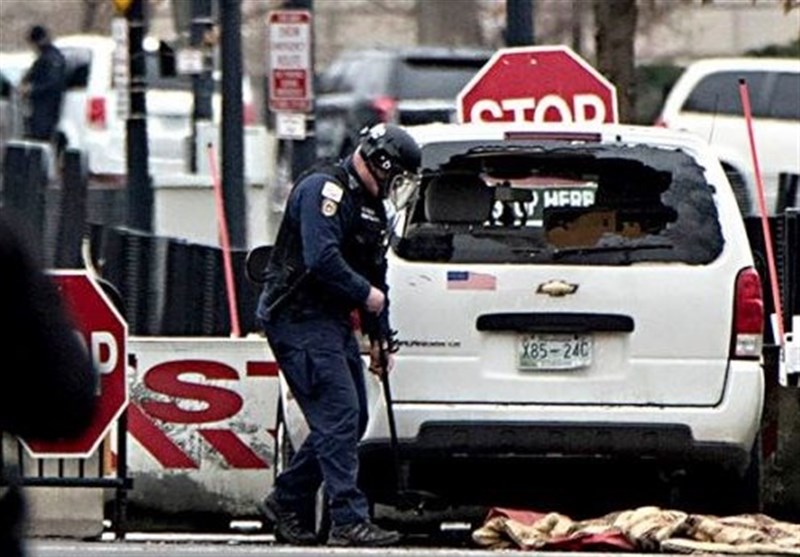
point(519, 22)
point(232, 155)
point(140, 191)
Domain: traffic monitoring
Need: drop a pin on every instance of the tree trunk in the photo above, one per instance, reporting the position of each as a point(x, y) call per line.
point(616, 30)
point(448, 22)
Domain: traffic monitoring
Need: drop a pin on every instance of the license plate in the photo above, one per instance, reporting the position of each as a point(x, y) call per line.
point(554, 351)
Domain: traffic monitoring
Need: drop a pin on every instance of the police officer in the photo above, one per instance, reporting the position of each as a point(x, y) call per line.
point(328, 260)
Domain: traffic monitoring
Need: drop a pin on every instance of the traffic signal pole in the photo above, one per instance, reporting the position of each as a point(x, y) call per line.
point(140, 190)
point(232, 152)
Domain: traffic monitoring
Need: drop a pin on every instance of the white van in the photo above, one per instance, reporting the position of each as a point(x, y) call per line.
point(569, 297)
point(706, 101)
point(94, 109)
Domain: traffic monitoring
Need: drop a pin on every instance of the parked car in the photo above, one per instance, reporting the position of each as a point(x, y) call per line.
point(568, 297)
point(92, 120)
point(407, 86)
point(706, 101)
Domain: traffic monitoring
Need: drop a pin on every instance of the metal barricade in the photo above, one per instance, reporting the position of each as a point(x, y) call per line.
point(73, 472)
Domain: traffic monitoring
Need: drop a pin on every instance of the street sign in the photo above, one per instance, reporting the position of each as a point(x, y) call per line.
point(290, 71)
point(290, 125)
point(104, 332)
point(537, 84)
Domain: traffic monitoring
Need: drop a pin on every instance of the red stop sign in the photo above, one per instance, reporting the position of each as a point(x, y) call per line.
point(105, 334)
point(537, 84)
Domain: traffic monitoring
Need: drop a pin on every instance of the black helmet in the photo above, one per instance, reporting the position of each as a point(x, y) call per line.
point(389, 152)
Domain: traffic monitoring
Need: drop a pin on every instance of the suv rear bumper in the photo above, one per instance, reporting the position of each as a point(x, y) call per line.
point(669, 443)
point(723, 433)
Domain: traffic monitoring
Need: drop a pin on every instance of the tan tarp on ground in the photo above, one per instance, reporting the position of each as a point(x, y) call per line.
point(646, 529)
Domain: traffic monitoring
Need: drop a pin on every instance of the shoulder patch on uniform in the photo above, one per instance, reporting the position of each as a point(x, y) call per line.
point(332, 191)
point(329, 207)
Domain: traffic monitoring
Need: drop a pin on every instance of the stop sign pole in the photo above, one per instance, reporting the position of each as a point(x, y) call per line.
point(538, 84)
point(104, 333)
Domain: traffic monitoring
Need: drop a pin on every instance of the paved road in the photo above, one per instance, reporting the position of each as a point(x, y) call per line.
point(206, 548)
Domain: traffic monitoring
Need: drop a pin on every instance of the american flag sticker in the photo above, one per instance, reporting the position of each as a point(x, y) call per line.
point(467, 280)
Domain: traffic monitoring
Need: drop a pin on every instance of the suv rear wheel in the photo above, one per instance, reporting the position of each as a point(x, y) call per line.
point(710, 491)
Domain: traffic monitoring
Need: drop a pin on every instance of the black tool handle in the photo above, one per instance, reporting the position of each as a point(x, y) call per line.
point(387, 395)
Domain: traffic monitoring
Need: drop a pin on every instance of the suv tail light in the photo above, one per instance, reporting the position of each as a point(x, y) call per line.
point(96, 112)
point(748, 315)
point(660, 123)
point(386, 107)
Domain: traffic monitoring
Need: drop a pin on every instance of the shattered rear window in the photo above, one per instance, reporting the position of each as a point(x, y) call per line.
point(560, 203)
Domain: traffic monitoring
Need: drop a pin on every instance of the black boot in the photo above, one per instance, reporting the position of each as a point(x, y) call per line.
point(288, 526)
point(362, 534)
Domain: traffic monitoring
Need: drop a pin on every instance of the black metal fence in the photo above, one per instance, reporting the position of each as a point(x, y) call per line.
point(168, 286)
point(785, 232)
point(171, 287)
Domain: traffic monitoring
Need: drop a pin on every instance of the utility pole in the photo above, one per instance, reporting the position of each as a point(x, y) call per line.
point(140, 190)
point(519, 22)
point(232, 151)
point(202, 24)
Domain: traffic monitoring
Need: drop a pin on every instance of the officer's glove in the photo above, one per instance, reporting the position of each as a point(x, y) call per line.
point(381, 359)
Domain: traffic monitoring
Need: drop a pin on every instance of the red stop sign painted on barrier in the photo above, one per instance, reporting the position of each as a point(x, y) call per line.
point(105, 334)
point(538, 84)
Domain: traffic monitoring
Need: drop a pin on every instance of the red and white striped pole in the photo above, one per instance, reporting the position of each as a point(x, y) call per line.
point(225, 243)
point(762, 207)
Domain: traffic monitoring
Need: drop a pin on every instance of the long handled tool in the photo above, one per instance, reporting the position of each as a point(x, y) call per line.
point(407, 500)
point(387, 395)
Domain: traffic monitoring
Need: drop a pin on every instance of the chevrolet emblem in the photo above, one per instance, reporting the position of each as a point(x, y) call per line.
point(556, 288)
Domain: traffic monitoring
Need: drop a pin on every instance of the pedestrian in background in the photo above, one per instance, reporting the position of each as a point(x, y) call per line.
point(329, 259)
point(43, 86)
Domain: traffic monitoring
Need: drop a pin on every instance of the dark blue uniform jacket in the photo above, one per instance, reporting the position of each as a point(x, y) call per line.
point(329, 250)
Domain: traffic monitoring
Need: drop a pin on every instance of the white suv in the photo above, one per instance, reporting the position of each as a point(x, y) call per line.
point(90, 119)
point(706, 100)
point(570, 298)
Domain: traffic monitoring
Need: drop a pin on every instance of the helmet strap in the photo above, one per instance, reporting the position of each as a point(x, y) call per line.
point(382, 183)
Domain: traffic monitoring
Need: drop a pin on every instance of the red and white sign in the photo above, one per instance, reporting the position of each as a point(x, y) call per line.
point(290, 71)
point(202, 404)
point(537, 84)
point(105, 333)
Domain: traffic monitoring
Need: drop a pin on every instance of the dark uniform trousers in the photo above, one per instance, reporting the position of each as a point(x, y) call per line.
point(320, 355)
